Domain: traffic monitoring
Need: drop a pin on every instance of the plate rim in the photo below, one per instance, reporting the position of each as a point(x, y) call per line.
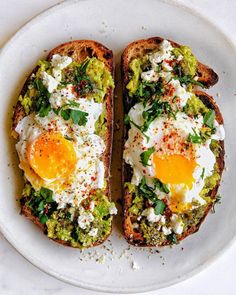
point(90, 286)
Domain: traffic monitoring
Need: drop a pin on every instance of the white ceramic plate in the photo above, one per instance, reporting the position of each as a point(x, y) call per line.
point(115, 24)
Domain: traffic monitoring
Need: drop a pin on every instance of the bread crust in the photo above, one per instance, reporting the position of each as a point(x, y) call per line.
point(208, 78)
point(78, 50)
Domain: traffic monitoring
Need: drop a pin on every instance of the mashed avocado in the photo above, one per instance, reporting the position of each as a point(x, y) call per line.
point(26, 102)
point(152, 234)
point(100, 125)
point(195, 106)
point(189, 62)
point(63, 225)
point(100, 75)
point(135, 67)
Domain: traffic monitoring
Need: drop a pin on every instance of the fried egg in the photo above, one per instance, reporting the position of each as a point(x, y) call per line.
point(62, 156)
point(181, 165)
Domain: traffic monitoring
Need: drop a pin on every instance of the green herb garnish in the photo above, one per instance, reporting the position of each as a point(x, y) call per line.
point(209, 118)
point(77, 116)
point(203, 172)
point(128, 121)
point(160, 207)
point(188, 79)
point(161, 186)
point(172, 238)
point(46, 194)
point(41, 203)
point(146, 155)
point(194, 138)
point(149, 193)
point(41, 101)
point(157, 109)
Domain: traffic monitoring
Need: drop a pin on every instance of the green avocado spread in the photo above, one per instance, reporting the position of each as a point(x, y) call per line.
point(189, 62)
point(63, 224)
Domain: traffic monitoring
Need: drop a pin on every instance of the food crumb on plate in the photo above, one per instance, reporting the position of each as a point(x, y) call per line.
point(135, 265)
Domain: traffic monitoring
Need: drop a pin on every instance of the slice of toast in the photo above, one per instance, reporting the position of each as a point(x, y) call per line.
point(207, 77)
point(78, 50)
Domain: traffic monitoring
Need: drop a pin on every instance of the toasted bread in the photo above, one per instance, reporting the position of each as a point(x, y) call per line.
point(207, 77)
point(78, 50)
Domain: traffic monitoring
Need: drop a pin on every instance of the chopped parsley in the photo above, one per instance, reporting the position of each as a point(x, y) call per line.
point(157, 109)
point(209, 118)
point(160, 207)
point(149, 193)
point(42, 204)
point(194, 138)
point(188, 79)
point(41, 103)
point(128, 121)
point(146, 155)
point(161, 186)
point(172, 238)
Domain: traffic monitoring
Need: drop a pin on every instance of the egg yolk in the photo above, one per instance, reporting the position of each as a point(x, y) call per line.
point(51, 156)
point(174, 169)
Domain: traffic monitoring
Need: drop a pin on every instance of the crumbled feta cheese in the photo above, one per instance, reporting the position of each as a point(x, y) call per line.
point(49, 82)
point(163, 219)
point(164, 52)
point(135, 265)
point(180, 57)
point(102, 259)
point(92, 206)
point(180, 92)
point(166, 230)
point(166, 66)
point(60, 62)
point(93, 232)
point(57, 74)
point(150, 214)
point(113, 210)
point(150, 76)
point(85, 219)
point(177, 224)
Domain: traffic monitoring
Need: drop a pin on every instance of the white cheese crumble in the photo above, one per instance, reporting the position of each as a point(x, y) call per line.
point(60, 62)
point(85, 219)
point(57, 74)
point(166, 230)
point(150, 214)
point(177, 224)
point(112, 209)
point(49, 82)
point(164, 52)
point(93, 232)
point(135, 265)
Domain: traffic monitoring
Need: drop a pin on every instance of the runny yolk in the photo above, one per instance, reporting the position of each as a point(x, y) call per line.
point(51, 156)
point(174, 169)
